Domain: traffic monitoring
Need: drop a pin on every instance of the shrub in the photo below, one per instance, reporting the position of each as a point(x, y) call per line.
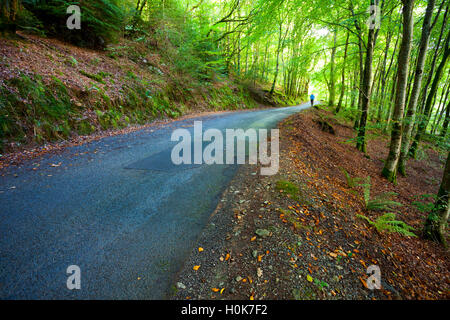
point(101, 20)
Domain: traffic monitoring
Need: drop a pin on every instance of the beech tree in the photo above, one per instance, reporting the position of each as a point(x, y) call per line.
point(390, 167)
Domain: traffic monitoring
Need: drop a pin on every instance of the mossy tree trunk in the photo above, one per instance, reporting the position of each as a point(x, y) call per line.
point(411, 113)
point(436, 222)
point(423, 123)
point(390, 167)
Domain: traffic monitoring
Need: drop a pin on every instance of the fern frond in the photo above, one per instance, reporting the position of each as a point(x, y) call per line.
point(388, 223)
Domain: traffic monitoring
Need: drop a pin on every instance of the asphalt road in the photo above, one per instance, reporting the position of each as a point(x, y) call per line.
point(116, 208)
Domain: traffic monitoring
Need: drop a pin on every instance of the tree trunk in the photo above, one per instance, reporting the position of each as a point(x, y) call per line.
point(428, 104)
point(390, 167)
point(366, 91)
point(341, 97)
point(411, 113)
point(441, 107)
point(361, 76)
point(332, 67)
point(384, 81)
point(446, 120)
point(8, 13)
point(437, 220)
point(382, 75)
point(391, 102)
point(280, 38)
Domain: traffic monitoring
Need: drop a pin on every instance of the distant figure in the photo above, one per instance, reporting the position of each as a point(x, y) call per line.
point(312, 97)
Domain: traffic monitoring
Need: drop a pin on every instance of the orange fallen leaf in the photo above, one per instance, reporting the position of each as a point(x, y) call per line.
point(200, 249)
point(253, 238)
point(227, 257)
point(215, 289)
point(196, 268)
point(363, 282)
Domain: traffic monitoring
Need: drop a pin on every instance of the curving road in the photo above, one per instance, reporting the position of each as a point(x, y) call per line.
point(116, 207)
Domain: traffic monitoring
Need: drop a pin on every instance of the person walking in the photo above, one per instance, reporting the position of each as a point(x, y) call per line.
point(312, 97)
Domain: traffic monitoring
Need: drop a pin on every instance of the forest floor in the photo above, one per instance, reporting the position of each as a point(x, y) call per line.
point(296, 235)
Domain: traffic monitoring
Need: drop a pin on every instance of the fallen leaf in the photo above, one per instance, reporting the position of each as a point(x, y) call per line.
point(334, 255)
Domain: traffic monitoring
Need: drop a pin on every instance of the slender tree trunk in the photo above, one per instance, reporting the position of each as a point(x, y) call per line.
point(422, 115)
point(332, 67)
point(354, 89)
point(411, 113)
point(390, 167)
point(441, 107)
point(391, 102)
point(446, 120)
point(264, 62)
point(428, 104)
point(361, 76)
point(366, 91)
point(384, 82)
point(341, 97)
point(436, 222)
point(280, 39)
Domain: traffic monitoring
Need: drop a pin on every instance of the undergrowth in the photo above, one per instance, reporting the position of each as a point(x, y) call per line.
point(387, 222)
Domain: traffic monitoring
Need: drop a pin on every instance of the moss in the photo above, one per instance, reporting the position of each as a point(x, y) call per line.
point(84, 127)
point(95, 77)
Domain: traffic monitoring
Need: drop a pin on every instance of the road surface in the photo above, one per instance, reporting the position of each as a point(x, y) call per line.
point(116, 207)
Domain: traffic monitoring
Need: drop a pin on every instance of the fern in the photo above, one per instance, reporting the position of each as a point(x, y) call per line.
point(388, 222)
point(351, 182)
point(424, 206)
point(380, 202)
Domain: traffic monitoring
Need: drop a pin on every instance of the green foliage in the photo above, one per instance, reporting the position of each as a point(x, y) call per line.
point(101, 21)
point(380, 202)
point(288, 187)
point(387, 222)
point(422, 206)
point(26, 102)
point(73, 62)
point(351, 182)
point(96, 77)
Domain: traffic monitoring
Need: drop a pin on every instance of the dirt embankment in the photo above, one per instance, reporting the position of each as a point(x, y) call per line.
point(297, 234)
point(53, 91)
